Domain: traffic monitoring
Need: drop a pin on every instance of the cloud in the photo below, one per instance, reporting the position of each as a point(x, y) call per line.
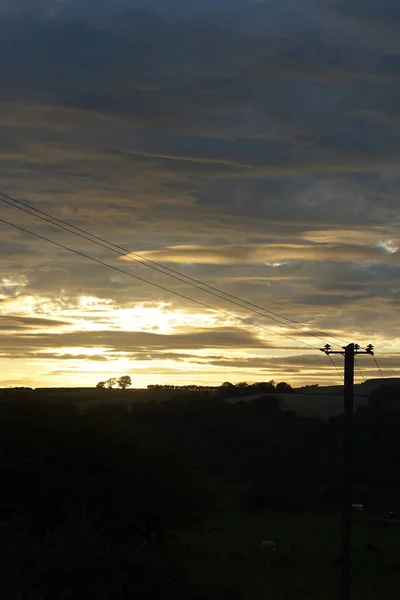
point(129, 341)
point(271, 253)
point(16, 322)
point(252, 144)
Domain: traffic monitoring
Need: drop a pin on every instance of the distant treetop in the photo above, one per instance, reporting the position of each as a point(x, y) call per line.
point(122, 382)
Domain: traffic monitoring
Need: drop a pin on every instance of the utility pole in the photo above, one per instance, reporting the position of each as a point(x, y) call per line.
point(349, 352)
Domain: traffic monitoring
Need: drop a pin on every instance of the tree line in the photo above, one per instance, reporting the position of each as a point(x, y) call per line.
point(227, 389)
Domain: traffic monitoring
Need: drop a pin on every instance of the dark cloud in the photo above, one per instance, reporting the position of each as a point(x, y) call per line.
point(386, 11)
point(129, 341)
point(16, 322)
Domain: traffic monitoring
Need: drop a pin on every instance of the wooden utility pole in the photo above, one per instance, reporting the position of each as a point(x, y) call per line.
point(349, 352)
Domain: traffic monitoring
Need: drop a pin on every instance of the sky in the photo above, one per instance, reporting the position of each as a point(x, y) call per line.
point(253, 145)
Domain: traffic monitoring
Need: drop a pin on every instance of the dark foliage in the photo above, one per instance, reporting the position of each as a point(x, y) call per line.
point(86, 509)
point(90, 501)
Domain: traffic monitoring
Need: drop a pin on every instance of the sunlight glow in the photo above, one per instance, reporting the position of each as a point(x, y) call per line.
point(80, 365)
point(388, 246)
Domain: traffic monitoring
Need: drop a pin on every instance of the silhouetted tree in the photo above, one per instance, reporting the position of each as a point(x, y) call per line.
point(124, 382)
point(110, 383)
point(284, 388)
point(242, 385)
point(263, 386)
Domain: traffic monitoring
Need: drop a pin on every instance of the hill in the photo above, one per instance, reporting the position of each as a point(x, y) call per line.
point(323, 401)
point(360, 389)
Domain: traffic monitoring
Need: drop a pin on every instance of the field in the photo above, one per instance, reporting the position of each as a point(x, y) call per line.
point(319, 405)
point(226, 554)
point(323, 406)
point(88, 397)
point(303, 404)
point(201, 470)
point(306, 405)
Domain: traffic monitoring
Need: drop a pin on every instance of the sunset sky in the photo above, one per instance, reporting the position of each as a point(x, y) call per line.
point(250, 144)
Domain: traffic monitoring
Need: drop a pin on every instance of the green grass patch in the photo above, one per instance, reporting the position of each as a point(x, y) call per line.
point(226, 555)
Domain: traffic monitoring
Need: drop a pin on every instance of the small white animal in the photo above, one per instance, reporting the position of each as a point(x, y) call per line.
point(268, 545)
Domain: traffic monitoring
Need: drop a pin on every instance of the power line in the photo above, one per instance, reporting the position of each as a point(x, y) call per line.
point(165, 270)
point(334, 365)
point(378, 367)
point(208, 306)
point(136, 260)
point(356, 395)
point(359, 370)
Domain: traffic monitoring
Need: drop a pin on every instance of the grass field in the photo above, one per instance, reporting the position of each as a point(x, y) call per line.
point(315, 405)
point(86, 398)
point(226, 555)
point(321, 405)
point(318, 405)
